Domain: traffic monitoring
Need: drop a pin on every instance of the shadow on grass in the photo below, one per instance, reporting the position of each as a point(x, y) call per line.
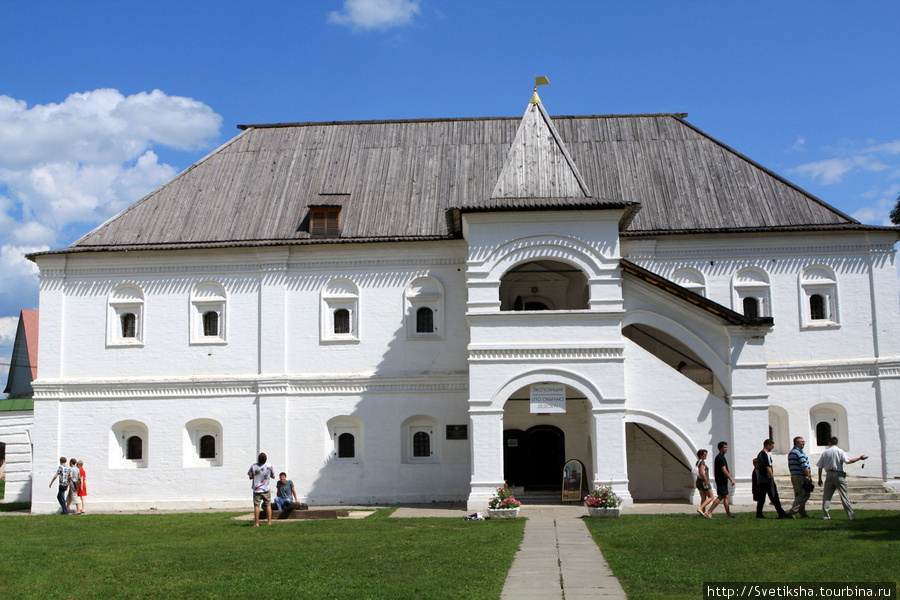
point(15, 506)
point(880, 528)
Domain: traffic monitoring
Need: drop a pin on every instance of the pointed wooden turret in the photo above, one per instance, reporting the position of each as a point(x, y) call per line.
point(538, 164)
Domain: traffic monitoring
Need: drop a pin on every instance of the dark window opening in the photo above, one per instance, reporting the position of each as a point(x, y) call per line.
point(207, 447)
point(341, 321)
point(751, 307)
point(823, 433)
point(129, 325)
point(134, 448)
point(536, 306)
point(211, 323)
point(424, 320)
point(346, 446)
point(817, 307)
point(421, 444)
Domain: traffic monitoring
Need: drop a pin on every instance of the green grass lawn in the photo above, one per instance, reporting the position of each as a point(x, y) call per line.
point(671, 556)
point(210, 555)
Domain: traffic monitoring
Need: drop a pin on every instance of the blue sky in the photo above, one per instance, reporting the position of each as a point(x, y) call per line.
point(101, 102)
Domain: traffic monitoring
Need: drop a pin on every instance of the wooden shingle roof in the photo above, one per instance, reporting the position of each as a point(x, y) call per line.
point(397, 180)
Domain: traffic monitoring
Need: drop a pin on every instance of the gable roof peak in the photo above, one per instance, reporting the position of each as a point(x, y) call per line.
point(538, 164)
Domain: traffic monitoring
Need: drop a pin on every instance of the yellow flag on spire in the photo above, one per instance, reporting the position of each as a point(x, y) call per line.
point(535, 99)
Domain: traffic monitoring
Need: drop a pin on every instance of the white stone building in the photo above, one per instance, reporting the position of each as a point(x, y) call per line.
point(372, 304)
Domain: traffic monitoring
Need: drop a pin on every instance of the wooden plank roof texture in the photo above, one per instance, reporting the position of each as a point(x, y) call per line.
point(398, 179)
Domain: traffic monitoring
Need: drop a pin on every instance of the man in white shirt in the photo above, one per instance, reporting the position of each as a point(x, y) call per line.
point(260, 473)
point(832, 462)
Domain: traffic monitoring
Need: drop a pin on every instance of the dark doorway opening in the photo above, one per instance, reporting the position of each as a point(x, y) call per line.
point(534, 458)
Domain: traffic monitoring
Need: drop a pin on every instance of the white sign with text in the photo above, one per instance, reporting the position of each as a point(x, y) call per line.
point(548, 398)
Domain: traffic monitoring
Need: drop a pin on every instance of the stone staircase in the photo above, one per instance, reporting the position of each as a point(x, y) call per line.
point(863, 491)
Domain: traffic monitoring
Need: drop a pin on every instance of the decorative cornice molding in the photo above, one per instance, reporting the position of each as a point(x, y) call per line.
point(192, 388)
point(609, 353)
point(833, 372)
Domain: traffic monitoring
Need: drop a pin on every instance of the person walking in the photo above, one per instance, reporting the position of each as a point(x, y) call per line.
point(722, 477)
point(74, 483)
point(832, 462)
point(702, 482)
point(765, 475)
point(801, 478)
point(82, 485)
point(260, 473)
point(62, 473)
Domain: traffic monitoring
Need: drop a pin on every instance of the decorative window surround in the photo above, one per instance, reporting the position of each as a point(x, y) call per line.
point(346, 435)
point(752, 283)
point(125, 316)
point(129, 445)
point(208, 316)
point(423, 295)
point(202, 437)
point(818, 297)
point(420, 440)
point(340, 312)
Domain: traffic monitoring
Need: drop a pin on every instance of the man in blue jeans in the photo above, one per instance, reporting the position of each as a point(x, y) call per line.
point(63, 473)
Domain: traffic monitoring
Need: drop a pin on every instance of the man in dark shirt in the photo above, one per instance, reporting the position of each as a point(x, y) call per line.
point(766, 477)
point(723, 476)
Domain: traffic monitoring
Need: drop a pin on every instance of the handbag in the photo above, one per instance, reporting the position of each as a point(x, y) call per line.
point(808, 485)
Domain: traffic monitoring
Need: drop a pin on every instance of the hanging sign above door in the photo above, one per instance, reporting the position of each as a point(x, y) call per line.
point(548, 398)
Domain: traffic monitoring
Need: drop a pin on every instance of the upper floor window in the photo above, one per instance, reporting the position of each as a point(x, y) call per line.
point(125, 320)
point(690, 279)
point(340, 312)
point(134, 448)
point(751, 293)
point(424, 309)
point(346, 445)
point(207, 318)
point(325, 221)
point(819, 299)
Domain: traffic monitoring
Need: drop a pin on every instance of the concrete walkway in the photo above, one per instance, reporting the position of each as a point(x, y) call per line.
point(558, 559)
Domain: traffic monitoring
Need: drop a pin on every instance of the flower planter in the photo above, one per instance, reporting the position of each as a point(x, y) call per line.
point(604, 513)
point(503, 513)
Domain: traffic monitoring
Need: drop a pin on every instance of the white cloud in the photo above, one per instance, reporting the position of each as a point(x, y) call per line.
point(878, 212)
point(375, 14)
point(832, 170)
point(81, 161)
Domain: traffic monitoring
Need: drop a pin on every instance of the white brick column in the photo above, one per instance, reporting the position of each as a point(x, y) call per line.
point(486, 424)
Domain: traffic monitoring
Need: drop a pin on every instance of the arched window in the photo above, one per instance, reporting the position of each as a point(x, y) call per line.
point(419, 441)
point(129, 322)
point(690, 279)
point(135, 448)
point(818, 285)
point(823, 433)
point(210, 324)
point(340, 312)
point(346, 445)
point(208, 303)
point(751, 293)
point(125, 316)
point(424, 320)
point(341, 321)
point(421, 444)
point(817, 307)
point(751, 307)
point(424, 309)
point(347, 441)
point(203, 445)
point(207, 446)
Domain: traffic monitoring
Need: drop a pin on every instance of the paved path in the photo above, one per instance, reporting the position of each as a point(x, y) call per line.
point(558, 559)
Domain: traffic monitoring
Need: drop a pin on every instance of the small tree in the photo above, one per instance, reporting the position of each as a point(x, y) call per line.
point(895, 214)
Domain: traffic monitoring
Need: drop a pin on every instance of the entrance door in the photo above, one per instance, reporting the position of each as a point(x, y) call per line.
point(545, 456)
point(515, 468)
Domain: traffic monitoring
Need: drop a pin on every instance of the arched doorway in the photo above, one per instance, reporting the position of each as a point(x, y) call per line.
point(534, 458)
